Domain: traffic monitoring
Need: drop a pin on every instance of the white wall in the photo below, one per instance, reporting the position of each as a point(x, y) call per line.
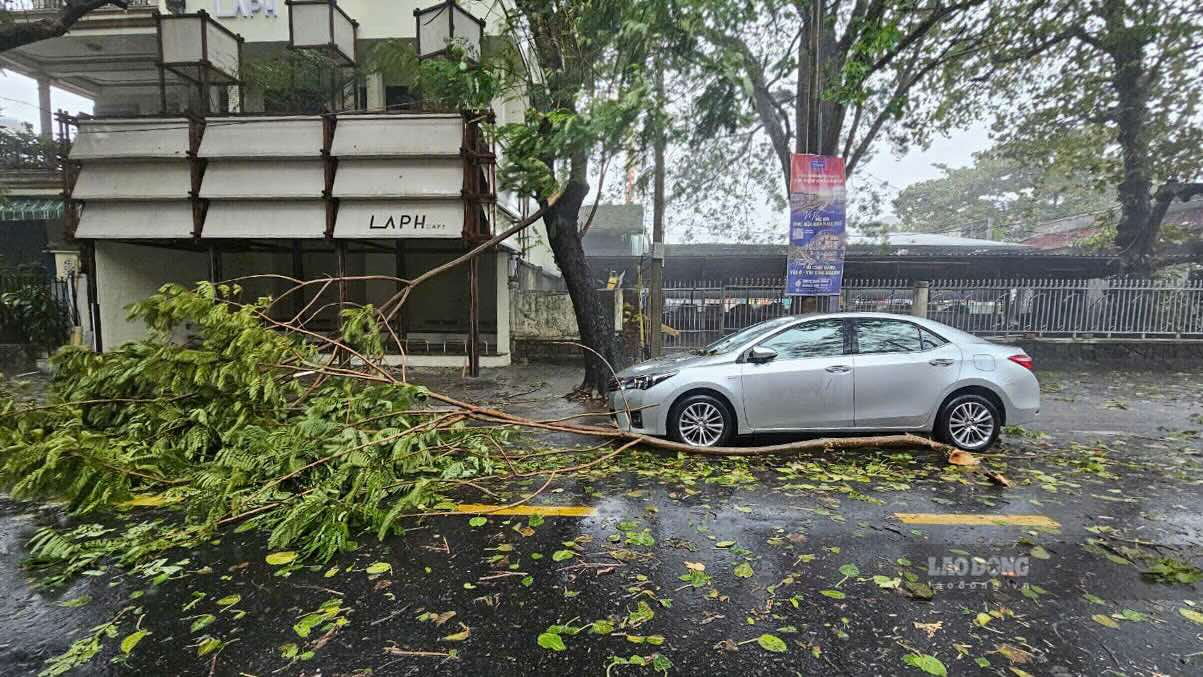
point(129, 273)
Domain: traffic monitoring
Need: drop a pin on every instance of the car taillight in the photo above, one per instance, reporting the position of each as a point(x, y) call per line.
point(1022, 360)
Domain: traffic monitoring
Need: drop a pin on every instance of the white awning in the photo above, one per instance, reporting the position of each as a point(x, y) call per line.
point(399, 177)
point(135, 220)
point(270, 220)
point(398, 135)
point(388, 219)
point(133, 138)
point(285, 179)
point(134, 179)
point(262, 137)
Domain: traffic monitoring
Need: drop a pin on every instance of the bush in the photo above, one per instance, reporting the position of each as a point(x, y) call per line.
point(32, 315)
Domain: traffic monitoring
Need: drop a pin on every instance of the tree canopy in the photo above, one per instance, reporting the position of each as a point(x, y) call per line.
point(998, 192)
point(1127, 78)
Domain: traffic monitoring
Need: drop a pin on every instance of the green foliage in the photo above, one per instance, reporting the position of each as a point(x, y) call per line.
point(32, 313)
point(1171, 571)
point(84, 649)
point(1001, 191)
point(217, 430)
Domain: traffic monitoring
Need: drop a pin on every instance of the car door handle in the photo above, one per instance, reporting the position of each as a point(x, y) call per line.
point(941, 362)
point(839, 369)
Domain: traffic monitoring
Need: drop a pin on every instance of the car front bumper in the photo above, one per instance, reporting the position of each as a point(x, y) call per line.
point(637, 411)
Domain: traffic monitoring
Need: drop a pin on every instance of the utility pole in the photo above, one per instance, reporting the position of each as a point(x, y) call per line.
point(656, 309)
point(814, 116)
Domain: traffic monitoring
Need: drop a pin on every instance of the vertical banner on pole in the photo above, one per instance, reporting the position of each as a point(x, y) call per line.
point(817, 200)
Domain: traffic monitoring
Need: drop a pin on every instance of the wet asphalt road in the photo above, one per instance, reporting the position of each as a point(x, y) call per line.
point(1114, 462)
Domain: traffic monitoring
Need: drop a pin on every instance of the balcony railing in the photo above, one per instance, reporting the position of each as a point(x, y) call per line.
point(26, 152)
point(43, 6)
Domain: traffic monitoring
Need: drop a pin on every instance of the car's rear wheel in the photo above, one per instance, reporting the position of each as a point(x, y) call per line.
point(969, 422)
point(701, 421)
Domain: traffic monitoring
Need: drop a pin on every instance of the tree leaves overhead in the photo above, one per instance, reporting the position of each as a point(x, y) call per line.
point(1003, 193)
point(888, 71)
point(1126, 76)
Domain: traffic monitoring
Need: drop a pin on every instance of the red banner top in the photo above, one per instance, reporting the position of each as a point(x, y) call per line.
point(809, 172)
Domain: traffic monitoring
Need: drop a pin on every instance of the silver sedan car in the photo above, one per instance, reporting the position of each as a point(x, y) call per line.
point(845, 373)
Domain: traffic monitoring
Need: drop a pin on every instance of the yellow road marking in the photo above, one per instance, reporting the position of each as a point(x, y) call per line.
point(544, 510)
point(970, 520)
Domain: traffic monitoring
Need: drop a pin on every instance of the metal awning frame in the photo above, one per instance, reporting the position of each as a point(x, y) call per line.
point(207, 73)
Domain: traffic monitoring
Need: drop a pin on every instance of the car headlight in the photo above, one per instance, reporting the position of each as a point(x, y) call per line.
point(641, 382)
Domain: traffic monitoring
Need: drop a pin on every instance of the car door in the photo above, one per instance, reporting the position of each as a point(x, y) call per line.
point(807, 386)
point(900, 371)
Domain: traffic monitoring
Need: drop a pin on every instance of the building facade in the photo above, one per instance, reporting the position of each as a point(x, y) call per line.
point(197, 166)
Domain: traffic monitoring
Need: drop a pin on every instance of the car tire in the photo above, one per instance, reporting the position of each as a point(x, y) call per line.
point(969, 422)
point(694, 420)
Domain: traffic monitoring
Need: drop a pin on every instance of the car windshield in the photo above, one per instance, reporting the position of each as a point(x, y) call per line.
point(740, 337)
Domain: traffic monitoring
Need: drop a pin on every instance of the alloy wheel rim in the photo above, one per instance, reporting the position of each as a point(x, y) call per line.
point(701, 424)
point(971, 424)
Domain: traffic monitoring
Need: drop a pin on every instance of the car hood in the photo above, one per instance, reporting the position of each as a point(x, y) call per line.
point(671, 363)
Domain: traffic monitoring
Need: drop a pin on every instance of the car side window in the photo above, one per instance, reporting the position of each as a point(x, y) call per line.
point(887, 336)
point(823, 338)
point(930, 340)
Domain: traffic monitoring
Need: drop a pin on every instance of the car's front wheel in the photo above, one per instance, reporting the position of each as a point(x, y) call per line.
point(969, 422)
point(701, 421)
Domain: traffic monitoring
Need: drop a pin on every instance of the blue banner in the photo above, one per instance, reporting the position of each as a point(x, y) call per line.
point(817, 218)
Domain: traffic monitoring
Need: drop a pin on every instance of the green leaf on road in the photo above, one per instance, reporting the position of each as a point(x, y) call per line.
point(279, 558)
point(203, 622)
point(377, 568)
point(849, 570)
point(1039, 552)
point(478, 521)
point(1191, 615)
point(743, 570)
point(771, 643)
point(724, 544)
point(561, 555)
point(929, 664)
point(552, 641)
point(209, 646)
point(1104, 620)
point(833, 594)
point(131, 640)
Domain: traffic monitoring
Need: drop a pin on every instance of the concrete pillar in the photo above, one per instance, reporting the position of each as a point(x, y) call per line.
point(374, 84)
point(45, 117)
point(919, 305)
point(503, 301)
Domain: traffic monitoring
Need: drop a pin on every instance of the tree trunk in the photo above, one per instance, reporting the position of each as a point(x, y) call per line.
point(1135, 190)
point(592, 318)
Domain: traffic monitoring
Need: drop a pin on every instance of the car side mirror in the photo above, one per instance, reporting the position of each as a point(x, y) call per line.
point(760, 354)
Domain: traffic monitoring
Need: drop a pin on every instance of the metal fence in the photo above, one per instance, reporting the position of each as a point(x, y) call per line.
point(62, 289)
point(701, 312)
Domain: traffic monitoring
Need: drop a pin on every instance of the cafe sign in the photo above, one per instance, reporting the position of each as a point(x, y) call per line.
point(233, 9)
